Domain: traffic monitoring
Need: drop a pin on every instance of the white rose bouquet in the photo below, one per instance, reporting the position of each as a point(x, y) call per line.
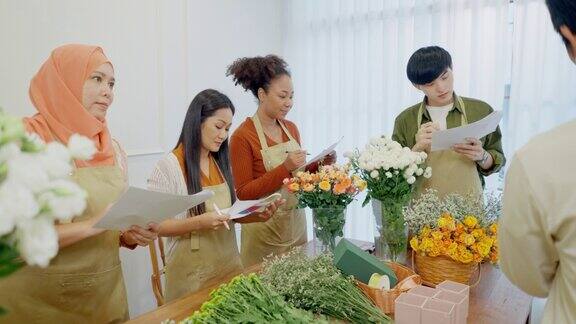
point(35, 192)
point(390, 172)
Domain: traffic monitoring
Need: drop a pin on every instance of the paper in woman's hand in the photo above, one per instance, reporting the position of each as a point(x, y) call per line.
point(243, 208)
point(324, 153)
point(141, 207)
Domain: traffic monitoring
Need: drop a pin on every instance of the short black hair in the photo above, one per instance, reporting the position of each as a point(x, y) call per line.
point(427, 64)
point(563, 12)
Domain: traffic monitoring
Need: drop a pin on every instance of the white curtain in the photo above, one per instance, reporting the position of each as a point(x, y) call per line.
point(348, 60)
point(543, 77)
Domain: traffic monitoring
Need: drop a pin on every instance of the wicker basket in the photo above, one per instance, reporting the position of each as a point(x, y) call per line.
point(434, 270)
point(384, 299)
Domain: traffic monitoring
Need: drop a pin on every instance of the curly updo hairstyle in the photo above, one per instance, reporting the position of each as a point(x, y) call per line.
point(253, 73)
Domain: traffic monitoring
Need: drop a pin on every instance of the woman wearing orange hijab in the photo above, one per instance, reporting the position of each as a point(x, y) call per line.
point(72, 92)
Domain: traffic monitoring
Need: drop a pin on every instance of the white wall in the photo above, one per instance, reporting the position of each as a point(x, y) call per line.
point(164, 52)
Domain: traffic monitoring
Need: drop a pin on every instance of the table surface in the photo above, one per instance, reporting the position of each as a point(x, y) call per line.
point(495, 300)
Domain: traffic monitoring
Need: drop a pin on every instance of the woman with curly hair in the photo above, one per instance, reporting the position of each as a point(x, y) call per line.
point(265, 149)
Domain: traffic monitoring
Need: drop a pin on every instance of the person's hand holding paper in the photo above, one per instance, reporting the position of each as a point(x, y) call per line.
point(131, 237)
point(446, 139)
point(263, 214)
point(260, 210)
point(472, 149)
point(326, 157)
point(141, 207)
point(137, 235)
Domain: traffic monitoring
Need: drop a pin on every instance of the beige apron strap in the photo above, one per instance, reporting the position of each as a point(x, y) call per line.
point(260, 131)
point(463, 117)
point(286, 131)
point(194, 236)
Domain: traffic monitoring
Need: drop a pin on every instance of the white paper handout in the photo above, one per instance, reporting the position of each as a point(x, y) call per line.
point(324, 153)
point(140, 207)
point(243, 208)
point(444, 140)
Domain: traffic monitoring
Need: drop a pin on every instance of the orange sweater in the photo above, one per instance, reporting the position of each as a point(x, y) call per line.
point(251, 180)
point(213, 179)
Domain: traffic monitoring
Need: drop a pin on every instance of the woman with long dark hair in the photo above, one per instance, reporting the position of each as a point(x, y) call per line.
point(199, 246)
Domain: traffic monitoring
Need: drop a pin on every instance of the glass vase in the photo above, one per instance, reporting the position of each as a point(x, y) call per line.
point(328, 227)
point(391, 234)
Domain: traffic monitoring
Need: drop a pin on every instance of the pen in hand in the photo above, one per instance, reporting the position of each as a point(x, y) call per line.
point(291, 152)
point(220, 213)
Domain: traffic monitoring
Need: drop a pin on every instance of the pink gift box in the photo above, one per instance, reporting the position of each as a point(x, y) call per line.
point(460, 301)
point(408, 308)
point(435, 311)
point(458, 288)
point(454, 287)
point(423, 291)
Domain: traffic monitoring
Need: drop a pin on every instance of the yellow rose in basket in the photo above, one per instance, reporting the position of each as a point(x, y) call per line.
point(437, 236)
point(494, 228)
point(467, 239)
point(470, 221)
point(460, 228)
point(466, 256)
point(426, 244)
point(452, 249)
point(478, 233)
point(483, 249)
point(414, 243)
point(425, 231)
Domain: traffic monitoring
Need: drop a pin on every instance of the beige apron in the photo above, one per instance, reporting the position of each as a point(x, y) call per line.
point(84, 282)
point(451, 171)
point(287, 227)
point(204, 255)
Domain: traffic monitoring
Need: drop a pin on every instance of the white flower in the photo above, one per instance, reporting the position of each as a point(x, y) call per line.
point(428, 172)
point(17, 203)
point(419, 172)
point(6, 223)
point(388, 175)
point(37, 240)
point(411, 180)
point(375, 141)
point(9, 151)
point(32, 143)
point(56, 160)
point(64, 199)
point(11, 128)
point(27, 169)
point(374, 174)
point(81, 147)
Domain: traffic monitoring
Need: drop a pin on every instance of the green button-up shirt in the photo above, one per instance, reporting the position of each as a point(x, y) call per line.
point(405, 128)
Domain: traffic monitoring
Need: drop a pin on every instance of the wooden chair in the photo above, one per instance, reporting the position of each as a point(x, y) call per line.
point(157, 272)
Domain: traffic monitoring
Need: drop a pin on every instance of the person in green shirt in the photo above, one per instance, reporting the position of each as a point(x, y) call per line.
point(463, 168)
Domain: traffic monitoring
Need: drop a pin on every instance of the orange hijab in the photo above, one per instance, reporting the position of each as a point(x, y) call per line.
point(56, 92)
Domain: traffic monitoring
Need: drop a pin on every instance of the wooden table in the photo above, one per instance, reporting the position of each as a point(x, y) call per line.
point(495, 300)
